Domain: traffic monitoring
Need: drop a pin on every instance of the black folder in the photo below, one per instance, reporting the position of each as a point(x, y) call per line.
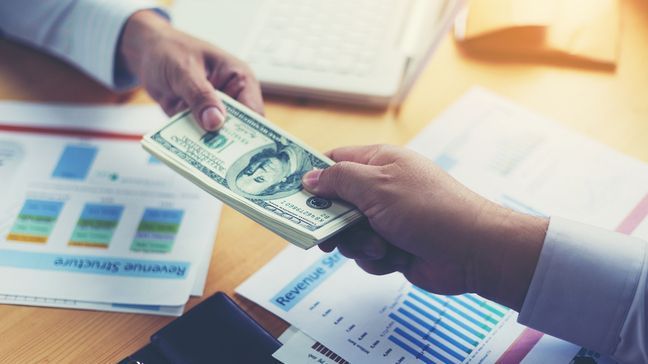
point(215, 331)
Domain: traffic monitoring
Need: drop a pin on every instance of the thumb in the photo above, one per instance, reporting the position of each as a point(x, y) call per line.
point(348, 181)
point(199, 94)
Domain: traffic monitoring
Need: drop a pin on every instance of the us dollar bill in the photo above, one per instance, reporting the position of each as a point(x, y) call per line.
point(255, 167)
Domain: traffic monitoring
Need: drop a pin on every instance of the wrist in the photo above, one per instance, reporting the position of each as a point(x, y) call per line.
point(141, 32)
point(511, 247)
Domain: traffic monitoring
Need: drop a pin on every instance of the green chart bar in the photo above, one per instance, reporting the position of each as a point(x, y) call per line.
point(35, 221)
point(96, 225)
point(157, 230)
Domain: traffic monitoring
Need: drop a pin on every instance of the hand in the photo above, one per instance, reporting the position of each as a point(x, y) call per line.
point(181, 72)
point(423, 223)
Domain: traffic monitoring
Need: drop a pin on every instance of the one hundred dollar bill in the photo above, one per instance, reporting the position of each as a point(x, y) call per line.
point(256, 168)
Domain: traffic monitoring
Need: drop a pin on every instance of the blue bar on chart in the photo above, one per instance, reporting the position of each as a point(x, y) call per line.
point(96, 225)
point(443, 329)
point(75, 162)
point(35, 221)
point(157, 230)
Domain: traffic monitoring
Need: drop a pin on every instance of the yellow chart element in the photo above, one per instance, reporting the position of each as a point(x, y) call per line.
point(27, 238)
point(87, 244)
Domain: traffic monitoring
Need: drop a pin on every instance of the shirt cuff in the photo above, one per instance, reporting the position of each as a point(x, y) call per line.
point(97, 26)
point(584, 284)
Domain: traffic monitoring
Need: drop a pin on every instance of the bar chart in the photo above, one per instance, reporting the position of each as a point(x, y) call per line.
point(75, 162)
point(445, 329)
point(369, 319)
point(35, 221)
point(96, 225)
point(157, 230)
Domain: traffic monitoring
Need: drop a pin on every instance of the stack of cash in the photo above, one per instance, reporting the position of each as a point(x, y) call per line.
point(256, 168)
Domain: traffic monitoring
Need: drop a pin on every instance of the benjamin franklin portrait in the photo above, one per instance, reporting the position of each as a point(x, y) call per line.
point(269, 172)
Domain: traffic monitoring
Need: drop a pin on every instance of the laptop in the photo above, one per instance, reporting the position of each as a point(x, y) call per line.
point(366, 52)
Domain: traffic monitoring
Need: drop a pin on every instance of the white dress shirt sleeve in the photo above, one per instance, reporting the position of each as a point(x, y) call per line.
point(590, 287)
point(84, 33)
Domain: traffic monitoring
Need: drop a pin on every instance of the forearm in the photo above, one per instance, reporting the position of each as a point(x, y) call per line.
point(84, 33)
point(142, 30)
point(578, 283)
point(510, 245)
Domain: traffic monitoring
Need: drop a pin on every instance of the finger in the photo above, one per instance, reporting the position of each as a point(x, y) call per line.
point(251, 96)
point(395, 260)
point(199, 94)
point(358, 154)
point(177, 105)
point(237, 81)
point(180, 106)
point(361, 242)
point(234, 87)
point(348, 181)
point(167, 108)
point(377, 267)
point(246, 90)
point(329, 245)
point(168, 104)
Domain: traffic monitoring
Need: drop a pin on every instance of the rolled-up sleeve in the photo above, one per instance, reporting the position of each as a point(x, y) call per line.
point(589, 288)
point(84, 33)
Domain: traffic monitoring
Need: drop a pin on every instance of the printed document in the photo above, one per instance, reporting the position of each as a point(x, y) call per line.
point(88, 216)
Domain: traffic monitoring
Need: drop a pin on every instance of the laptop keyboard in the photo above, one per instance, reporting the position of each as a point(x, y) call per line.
point(328, 36)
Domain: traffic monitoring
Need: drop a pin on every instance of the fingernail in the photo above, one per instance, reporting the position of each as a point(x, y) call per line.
point(311, 178)
point(212, 118)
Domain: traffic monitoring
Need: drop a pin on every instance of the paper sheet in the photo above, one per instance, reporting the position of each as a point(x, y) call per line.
point(126, 119)
point(93, 217)
point(505, 153)
point(299, 348)
point(197, 290)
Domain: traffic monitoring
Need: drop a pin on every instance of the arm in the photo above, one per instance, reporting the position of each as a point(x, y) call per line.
point(590, 288)
point(83, 33)
point(123, 42)
point(422, 222)
point(572, 281)
point(180, 71)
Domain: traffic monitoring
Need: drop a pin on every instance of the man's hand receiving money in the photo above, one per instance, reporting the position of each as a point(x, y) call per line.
point(423, 223)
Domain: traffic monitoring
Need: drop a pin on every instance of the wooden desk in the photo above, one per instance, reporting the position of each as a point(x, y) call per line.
point(609, 106)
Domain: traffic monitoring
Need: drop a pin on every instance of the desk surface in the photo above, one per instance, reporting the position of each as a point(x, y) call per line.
point(611, 106)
